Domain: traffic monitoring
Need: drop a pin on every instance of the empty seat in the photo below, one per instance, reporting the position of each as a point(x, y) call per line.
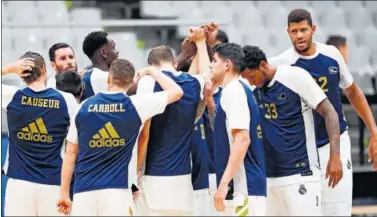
point(371, 5)
point(251, 20)
point(258, 37)
point(7, 39)
point(359, 60)
point(12, 79)
point(266, 6)
point(86, 16)
point(241, 6)
point(322, 6)
point(349, 6)
point(222, 10)
point(149, 8)
point(183, 7)
point(365, 83)
point(315, 16)
point(368, 38)
point(374, 61)
point(277, 23)
point(281, 42)
point(28, 39)
point(20, 12)
point(359, 19)
point(333, 19)
point(57, 35)
point(320, 35)
point(290, 5)
point(127, 46)
point(195, 16)
point(53, 12)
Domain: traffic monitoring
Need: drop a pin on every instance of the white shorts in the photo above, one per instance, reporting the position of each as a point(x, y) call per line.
point(337, 201)
point(294, 195)
point(253, 206)
point(213, 189)
point(203, 203)
point(141, 204)
point(23, 198)
point(169, 195)
point(106, 202)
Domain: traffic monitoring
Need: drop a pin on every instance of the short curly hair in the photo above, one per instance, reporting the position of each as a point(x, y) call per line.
point(233, 52)
point(299, 15)
point(36, 71)
point(253, 56)
point(93, 41)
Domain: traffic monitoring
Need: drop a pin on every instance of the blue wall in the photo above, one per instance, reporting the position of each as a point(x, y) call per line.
point(4, 145)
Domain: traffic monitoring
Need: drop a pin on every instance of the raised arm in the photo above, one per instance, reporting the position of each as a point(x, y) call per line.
point(188, 51)
point(18, 67)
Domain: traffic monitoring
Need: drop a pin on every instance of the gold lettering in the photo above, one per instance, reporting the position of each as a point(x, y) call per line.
point(23, 99)
point(40, 102)
point(90, 108)
point(107, 108)
point(101, 107)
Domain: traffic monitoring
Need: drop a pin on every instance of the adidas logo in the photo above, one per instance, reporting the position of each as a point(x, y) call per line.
point(106, 137)
point(36, 131)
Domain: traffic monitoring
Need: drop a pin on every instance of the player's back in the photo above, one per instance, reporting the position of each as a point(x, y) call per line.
point(93, 81)
point(38, 122)
point(328, 69)
point(108, 125)
point(168, 151)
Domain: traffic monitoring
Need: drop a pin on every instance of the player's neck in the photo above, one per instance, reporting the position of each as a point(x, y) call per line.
point(229, 77)
point(116, 89)
point(270, 74)
point(166, 67)
point(102, 66)
point(37, 85)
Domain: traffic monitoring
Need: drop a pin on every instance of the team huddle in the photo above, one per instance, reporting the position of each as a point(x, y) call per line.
point(219, 130)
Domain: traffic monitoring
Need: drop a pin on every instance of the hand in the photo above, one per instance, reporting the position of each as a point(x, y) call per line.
point(219, 198)
point(372, 153)
point(334, 170)
point(19, 67)
point(145, 71)
point(188, 48)
point(64, 205)
point(197, 34)
point(208, 94)
point(211, 31)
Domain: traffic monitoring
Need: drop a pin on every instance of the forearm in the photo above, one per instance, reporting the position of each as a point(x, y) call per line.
point(237, 155)
point(67, 172)
point(203, 59)
point(362, 108)
point(194, 66)
point(327, 111)
point(210, 51)
point(211, 113)
point(143, 145)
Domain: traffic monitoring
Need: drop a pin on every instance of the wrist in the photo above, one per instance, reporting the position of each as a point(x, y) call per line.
point(4, 70)
point(64, 192)
point(201, 42)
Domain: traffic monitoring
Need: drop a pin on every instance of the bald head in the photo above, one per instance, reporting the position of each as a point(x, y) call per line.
point(160, 54)
point(121, 73)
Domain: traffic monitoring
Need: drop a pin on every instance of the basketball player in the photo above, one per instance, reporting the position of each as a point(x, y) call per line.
point(101, 51)
point(328, 68)
point(239, 160)
point(102, 139)
point(167, 166)
point(38, 119)
point(62, 58)
point(286, 96)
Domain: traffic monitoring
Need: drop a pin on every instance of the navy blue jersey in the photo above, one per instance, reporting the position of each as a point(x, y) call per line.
point(38, 122)
point(106, 129)
point(242, 113)
point(93, 81)
point(209, 133)
point(168, 151)
point(287, 121)
point(199, 157)
point(329, 70)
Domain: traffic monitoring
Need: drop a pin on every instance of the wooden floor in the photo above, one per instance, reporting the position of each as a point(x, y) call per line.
point(364, 210)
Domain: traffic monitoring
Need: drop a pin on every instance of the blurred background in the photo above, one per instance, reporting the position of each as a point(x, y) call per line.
point(137, 26)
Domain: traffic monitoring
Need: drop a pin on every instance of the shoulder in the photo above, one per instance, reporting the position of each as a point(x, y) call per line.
point(293, 77)
point(329, 51)
point(234, 91)
point(288, 57)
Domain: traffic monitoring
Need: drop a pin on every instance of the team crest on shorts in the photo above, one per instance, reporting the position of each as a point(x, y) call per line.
point(302, 190)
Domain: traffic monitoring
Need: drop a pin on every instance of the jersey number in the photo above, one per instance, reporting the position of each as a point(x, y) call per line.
point(322, 82)
point(271, 111)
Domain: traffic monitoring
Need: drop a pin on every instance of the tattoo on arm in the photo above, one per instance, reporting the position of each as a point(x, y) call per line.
point(327, 111)
point(211, 117)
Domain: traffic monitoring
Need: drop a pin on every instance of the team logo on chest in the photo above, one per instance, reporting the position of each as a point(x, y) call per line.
point(333, 70)
point(106, 137)
point(282, 96)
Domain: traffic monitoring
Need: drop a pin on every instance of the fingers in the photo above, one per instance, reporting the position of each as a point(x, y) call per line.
point(219, 204)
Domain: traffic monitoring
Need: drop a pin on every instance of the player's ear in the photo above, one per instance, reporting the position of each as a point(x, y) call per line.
point(314, 28)
point(53, 65)
point(103, 53)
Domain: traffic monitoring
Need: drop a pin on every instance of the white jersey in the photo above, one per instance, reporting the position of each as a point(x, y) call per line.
point(94, 81)
point(330, 71)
